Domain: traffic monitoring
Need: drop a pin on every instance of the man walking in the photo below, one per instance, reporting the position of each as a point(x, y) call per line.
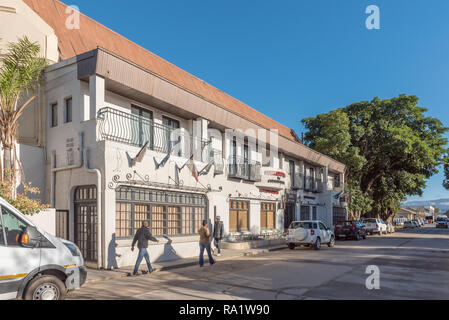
point(218, 234)
point(141, 237)
point(205, 243)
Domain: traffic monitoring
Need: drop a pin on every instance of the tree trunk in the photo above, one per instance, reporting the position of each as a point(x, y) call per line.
point(9, 163)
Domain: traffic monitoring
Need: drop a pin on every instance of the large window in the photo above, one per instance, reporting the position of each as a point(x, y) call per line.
point(171, 125)
point(304, 213)
point(238, 215)
point(267, 215)
point(169, 212)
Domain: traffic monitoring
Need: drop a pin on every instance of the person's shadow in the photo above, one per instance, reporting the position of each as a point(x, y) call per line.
point(112, 254)
point(169, 252)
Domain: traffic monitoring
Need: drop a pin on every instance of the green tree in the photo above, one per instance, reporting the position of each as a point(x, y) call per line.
point(20, 71)
point(389, 147)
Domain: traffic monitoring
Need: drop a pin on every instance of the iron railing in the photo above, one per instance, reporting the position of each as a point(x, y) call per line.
point(134, 130)
point(246, 169)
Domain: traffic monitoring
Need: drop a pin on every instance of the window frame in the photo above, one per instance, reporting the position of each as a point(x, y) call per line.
point(53, 115)
point(66, 110)
point(262, 210)
point(5, 239)
point(154, 198)
point(238, 210)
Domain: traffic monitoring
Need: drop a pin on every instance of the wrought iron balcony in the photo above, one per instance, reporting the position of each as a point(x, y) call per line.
point(134, 130)
point(245, 169)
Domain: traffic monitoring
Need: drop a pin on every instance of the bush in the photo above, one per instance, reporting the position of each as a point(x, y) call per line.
point(21, 201)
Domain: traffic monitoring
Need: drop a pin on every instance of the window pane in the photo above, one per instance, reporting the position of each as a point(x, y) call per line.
point(2, 239)
point(54, 115)
point(14, 227)
point(123, 220)
point(140, 214)
point(243, 220)
point(173, 220)
point(232, 220)
point(270, 220)
point(157, 220)
point(68, 110)
point(263, 219)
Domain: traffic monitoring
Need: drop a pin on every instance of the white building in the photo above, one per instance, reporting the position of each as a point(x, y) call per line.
point(103, 97)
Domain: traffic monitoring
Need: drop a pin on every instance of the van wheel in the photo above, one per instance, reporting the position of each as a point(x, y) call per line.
point(45, 288)
point(317, 244)
point(291, 246)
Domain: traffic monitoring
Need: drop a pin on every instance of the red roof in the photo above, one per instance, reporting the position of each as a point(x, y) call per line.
point(93, 34)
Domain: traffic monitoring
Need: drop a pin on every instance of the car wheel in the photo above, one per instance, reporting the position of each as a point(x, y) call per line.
point(317, 244)
point(291, 246)
point(45, 288)
point(357, 237)
point(331, 242)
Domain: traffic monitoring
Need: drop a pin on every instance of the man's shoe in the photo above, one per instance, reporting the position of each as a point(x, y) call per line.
point(151, 271)
point(144, 272)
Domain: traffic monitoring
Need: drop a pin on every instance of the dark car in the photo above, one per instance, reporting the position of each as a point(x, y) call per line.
point(442, 222)
point(352, 229)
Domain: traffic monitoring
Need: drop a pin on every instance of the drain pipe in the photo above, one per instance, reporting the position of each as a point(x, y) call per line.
point(54, 170)
point(97, 172)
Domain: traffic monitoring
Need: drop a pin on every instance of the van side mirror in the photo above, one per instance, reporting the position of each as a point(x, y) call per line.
point(31, 238)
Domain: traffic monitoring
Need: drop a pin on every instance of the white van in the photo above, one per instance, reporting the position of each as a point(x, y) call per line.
point(35, 265)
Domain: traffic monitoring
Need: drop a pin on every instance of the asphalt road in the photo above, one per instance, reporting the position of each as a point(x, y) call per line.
point(412, 264)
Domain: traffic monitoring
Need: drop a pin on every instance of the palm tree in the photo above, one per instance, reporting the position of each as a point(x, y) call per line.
point(20, 71)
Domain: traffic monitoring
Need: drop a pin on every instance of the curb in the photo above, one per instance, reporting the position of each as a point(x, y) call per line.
point(189, 264)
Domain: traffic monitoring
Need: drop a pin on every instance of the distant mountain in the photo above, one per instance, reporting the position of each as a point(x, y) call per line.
point(442, 204)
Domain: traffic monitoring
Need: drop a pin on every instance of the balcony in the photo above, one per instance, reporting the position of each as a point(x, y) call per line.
point(134, 130)
point(245, 169)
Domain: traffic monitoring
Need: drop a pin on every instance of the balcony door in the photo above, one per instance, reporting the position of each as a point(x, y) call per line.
point(141, 127)
point(171, 125)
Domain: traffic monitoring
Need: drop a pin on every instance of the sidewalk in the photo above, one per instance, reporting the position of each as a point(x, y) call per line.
point(95, 275)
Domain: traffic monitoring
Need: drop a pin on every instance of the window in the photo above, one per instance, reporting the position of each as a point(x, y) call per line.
point(267, 215)
point(2, 237)
point(172, 125)
point(68, 110)
point(314, 215)
point(238, 215)
point(141, 127)
point(305, 213)
point(291, 166)
point(13, 227)
point(322, 226)
point(54, 115)
point(170, 213)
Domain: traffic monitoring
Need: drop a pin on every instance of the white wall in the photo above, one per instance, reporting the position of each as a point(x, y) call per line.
point(45, 220)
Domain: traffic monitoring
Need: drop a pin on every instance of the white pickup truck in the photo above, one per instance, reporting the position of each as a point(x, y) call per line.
point(34, 265)
point(375, 226)
point(310, 233)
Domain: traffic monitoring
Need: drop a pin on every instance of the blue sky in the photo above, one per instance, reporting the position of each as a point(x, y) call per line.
point(295, 59)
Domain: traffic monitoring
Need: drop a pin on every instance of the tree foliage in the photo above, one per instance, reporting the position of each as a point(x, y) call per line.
point(20, 70)
point(390, 148)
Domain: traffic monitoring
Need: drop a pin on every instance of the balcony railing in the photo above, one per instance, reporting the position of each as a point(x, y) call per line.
point(134, 130)
point(244, 169)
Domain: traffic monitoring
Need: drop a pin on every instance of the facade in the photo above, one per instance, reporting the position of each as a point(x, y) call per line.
point(122, 133)
point(416, 212)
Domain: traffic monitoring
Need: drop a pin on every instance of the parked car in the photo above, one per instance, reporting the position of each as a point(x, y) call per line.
point(34, 264)
point(442, 222)
point(352, 229)
point(418, 224)
point(375, 226)
point(390, 227)
point(311, 233)
point(409, 225)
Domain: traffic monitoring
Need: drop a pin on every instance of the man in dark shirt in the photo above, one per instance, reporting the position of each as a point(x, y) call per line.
point(141, 237)
point(218, 234)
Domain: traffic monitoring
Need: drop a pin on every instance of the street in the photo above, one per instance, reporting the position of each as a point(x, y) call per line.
point(413, 264)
